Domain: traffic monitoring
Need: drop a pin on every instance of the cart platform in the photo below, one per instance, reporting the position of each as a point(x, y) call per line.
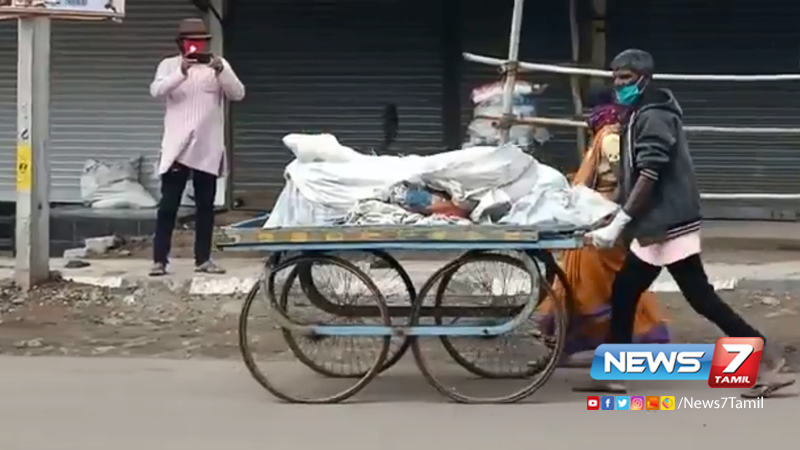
point(249, 236)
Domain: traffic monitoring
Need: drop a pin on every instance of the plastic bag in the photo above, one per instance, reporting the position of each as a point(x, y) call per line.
point(114, 185)
point(488, 100)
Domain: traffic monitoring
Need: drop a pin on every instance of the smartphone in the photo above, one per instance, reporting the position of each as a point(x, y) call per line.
point(202, 58)
point(196, 50)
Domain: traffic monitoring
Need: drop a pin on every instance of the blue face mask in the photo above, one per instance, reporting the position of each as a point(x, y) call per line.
point(628, 94)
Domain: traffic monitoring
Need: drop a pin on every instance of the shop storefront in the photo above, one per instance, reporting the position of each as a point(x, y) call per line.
point(331, 67)
point(335, 66)
point(743, 37)
point(100, 105)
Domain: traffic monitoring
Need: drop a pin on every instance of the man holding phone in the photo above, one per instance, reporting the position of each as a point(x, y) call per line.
point(194, 86)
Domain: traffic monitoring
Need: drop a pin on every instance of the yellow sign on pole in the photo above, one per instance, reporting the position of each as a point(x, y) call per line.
point(24, 169)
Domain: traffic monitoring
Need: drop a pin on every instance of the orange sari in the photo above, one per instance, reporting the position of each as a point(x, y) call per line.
point(591, 271)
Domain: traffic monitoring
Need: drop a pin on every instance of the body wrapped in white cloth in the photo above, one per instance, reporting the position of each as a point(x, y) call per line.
point(329, 183)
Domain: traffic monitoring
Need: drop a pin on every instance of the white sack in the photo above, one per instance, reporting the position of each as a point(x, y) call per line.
point(114, 185)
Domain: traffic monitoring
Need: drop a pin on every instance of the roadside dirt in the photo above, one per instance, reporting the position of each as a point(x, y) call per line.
point(183, 241)
point(75, 320)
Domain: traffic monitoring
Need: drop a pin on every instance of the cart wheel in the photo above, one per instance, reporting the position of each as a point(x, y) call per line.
point(553, 272)
point(395, 285)
point(550, 271)
point(258, 339)
point(508, 356)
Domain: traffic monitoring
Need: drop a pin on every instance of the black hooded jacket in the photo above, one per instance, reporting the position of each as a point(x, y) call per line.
point(655, 146)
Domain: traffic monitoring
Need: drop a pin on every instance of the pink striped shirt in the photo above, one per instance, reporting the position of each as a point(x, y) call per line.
point(194, 133)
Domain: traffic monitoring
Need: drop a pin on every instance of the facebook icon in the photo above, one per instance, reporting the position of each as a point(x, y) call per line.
point(607, 403)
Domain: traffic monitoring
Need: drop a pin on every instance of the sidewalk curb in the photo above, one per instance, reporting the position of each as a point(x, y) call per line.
point(759, 243)
point(227, 286)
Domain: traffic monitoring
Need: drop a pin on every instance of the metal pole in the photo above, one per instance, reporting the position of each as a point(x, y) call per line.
point(217, 47)
point(33, 135)
point(511, 72)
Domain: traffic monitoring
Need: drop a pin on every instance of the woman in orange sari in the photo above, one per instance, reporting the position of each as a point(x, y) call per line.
point(591, 271)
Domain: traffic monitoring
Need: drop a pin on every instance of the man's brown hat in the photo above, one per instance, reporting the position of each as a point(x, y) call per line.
point(193, 28)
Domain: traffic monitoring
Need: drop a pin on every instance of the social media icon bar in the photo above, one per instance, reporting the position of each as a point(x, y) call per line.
point(635, 403)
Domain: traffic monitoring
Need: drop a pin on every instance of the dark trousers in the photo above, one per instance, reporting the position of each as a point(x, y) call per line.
point(173, 184)
point(635, 278)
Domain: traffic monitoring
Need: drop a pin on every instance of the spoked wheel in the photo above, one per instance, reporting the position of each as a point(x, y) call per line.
point(319, 285)
point(260, 343)
point(553, 273)
point(496, 287)
point(550, 272)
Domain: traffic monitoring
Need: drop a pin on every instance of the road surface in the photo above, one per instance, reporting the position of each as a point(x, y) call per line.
point(51, 403)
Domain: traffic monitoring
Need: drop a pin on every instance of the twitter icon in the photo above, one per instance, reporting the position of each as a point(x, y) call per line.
point(623, 403)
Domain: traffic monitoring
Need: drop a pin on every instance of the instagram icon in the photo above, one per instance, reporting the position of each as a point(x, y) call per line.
point(637, 403)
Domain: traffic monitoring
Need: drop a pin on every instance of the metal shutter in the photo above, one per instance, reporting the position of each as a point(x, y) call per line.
point(100, 103)
point(8, 109)
point(330, 66)
point(545, 38)
point(741, 37)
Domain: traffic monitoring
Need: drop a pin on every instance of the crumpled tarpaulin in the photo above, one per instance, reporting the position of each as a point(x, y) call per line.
point(329, 183)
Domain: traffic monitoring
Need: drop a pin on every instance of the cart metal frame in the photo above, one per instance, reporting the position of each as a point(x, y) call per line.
point(314, 245)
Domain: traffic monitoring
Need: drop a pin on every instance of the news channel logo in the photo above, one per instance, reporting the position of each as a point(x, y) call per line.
point(730, 363)
point(634, 403)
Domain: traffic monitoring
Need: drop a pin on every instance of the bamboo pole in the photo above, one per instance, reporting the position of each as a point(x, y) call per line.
point(688, 128)
point(510, 84)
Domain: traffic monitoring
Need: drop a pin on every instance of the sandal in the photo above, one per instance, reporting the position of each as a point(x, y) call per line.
point(209, 267)
point(158, 270)
point(770, 382)
point(766, 389)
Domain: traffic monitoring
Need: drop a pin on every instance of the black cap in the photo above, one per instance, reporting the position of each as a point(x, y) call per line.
point(635, 60)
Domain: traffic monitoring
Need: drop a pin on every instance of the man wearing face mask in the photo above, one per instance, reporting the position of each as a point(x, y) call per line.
point(660, 216)
point(194, 85)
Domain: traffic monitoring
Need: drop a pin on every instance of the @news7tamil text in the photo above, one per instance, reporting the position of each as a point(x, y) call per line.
point(720, 403)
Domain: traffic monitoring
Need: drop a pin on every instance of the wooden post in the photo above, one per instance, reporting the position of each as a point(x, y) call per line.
point(511, 72)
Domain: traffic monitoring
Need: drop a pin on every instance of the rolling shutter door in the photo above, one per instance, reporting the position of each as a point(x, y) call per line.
point(736, 37)
point(326, 66)
point(8, 109)
point(100, 104)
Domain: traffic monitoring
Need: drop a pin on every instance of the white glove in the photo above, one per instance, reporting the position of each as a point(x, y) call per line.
point(607, 236)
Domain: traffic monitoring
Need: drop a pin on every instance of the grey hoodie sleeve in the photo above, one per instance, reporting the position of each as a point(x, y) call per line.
point(653, 142)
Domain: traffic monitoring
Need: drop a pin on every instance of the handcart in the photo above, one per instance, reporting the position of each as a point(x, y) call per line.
point(299, 251)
